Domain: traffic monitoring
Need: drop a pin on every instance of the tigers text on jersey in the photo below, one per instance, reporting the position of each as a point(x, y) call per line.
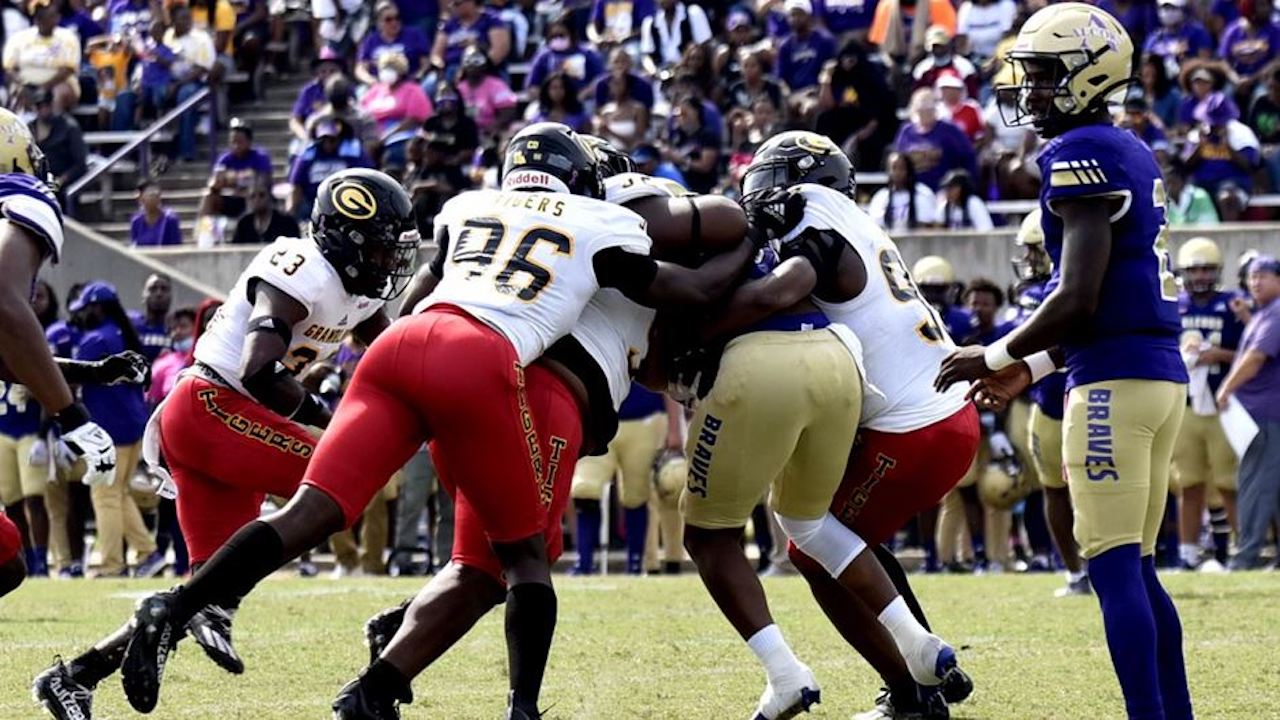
point(612, 329)
point(903, 340)
point(1134, 333)
point(295, 267)
point(521, 262)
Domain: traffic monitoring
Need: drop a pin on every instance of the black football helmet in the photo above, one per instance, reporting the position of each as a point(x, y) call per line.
point(363, 223)
point(794, 157)
point(551, 156)
point(612, 160)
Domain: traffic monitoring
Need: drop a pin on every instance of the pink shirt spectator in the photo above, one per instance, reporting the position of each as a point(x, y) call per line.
point(486, 99)
point(164, 374)
point(389, 106)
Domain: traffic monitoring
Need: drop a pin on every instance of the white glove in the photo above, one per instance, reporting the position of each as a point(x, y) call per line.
point(1000, 446)
point(79, 437)
point(39, 455)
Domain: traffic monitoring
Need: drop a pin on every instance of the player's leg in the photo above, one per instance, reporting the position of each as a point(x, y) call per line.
point(590, 477)
point(1174, 693)
point(34, 482)
point(637, 444)
point(1221, 494)
point(1046, 453)
point(1191, 473)
point(1108, 435)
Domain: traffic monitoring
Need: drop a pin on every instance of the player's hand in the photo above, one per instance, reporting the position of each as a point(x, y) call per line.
point(965, 363)
point(692, 374)
point(997, 390)
point(79, 437)
point(123, 368)
point(775, 211)
point(1224, 399)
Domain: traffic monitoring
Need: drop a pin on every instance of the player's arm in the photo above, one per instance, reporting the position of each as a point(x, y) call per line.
point(654, 283)
point(22, 343)
point(428, 276)
point(787, 284)
point(1243, 371)
point(1086, 248)
point(262, 373)
point(369, 330)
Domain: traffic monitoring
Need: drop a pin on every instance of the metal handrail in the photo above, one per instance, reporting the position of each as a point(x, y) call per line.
point(143, 136)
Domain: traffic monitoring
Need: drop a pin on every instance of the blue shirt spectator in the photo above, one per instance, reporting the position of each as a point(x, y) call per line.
point(563, 53)
point(803, 53)
point(326, 156)
point(129, 17)
point(619, 20)
point(1221, 148)
point(469, 25)
point(120, 410)
point(1249, 43)
point(1179, 37)
point(934, 146)
point(392, 35)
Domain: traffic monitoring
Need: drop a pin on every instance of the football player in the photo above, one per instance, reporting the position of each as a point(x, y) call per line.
point(1204, 465)
point(596, 361)
point(1112, 311)
point(235, 426)
point(938, 286)
point(914, 443)
point(519, 266)
point(1033, 268)
point(30, 234)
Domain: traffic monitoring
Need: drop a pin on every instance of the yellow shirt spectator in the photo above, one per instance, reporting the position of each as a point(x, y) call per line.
point(115, 58)
point(196, 48)
point(34, 59)
point(224, 21)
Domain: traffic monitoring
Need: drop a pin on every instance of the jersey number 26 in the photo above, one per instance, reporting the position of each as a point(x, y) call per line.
point(484, 244)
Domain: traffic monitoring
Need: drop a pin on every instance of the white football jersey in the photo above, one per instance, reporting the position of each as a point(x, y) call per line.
point(903, 340)
point(522, 261)
point(611, 328)
point(295, 267)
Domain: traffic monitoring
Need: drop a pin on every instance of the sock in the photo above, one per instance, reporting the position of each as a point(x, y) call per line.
point(1130, 627)
point(530, 624)
point(383, 679)
point(931, 555)
point(1189, 553)
point(775, 654)
point(1077, 575)
point(637, 523)
point(39, 563)
point(96, 664)
point(253, 553)
point(920, 649)
point(1221, 527)
point(898, 576)
point(1172, 666)
point(588, 536)
point(979, 550)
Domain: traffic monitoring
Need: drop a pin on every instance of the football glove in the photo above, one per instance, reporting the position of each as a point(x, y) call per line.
point(79, 437)
point(692, 374)
point(125, 368)
point(775, 211)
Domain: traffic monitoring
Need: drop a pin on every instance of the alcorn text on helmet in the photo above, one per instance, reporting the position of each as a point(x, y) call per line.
point(1068, 60)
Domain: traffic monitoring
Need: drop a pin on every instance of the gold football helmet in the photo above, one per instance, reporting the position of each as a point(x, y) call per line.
point(1032, 262)
point(1068, 60)
point(933, 270)
point(1200, 265)
point(18, 150)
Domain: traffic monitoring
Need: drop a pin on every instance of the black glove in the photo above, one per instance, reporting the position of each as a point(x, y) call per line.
point(124, 368)
point(692, 374)
point(775, 211)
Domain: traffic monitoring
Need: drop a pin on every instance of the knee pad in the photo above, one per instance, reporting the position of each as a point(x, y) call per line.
point(825, 539)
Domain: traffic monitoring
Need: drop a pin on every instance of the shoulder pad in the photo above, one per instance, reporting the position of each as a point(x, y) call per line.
point(28, 202)
point(296, 268)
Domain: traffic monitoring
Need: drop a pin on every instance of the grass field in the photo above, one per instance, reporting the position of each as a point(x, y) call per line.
point(657, 648)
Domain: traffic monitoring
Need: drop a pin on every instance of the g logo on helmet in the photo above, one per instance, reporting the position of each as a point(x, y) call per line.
point(815, 143)
point(354, 201)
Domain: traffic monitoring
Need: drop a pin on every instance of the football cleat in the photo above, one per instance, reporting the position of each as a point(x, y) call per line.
point(515, 713)
point(1075, 587)
point(788, 702)
point(957, 686)
point(355, 702)
point(61, 695)
point(924, 704)
point(155, 636)
point(379, 629)
point(211, 628)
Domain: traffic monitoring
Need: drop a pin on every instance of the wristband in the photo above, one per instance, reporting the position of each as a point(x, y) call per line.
point(1041, 365)
point(71, 417)
point(310, 411)
point(997, 356)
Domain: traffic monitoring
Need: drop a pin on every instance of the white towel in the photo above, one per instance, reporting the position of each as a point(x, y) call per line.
point(1202, 400)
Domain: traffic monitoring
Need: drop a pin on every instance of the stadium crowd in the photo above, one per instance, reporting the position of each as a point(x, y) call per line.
point(429, 93)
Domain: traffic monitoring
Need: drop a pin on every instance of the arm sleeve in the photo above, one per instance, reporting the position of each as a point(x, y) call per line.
point(646, 36)
point(626, 271)
point(1267, 340)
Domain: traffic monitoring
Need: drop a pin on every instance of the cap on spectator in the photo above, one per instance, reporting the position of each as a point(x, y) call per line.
point(1202, 74)
point(644, 154)
point(1216, 109)
point(737, 18)
point(1265, 263)
point(327, 54)
point(936, 35)
point(948, 80)
point(326, 128)
point(95, 292)
point(805, 6)
point(957, 176)
point(241, 125)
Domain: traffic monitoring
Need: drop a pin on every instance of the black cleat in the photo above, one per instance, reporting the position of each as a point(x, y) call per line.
point(925, 704)
point(515, 713)
point(957, 686)
point(61, 695)
point(211, 628)
point(154, 637)
point(379, 629)
point(355, 702)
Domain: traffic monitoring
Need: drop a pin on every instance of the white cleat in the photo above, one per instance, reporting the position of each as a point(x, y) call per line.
point(782, 703)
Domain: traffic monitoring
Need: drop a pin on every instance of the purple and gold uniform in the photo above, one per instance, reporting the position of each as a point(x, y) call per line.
point(1044, 424)
point(1126, 382)
point(1202, 451)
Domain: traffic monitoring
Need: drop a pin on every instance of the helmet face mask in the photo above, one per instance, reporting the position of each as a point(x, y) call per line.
point(363, 224)
point(1033, 264)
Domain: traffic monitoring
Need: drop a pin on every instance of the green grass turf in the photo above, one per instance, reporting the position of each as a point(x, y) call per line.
point(658, 648)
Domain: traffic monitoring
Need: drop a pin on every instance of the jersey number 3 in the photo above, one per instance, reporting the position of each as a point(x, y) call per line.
point(483, 240)
point(904, 290)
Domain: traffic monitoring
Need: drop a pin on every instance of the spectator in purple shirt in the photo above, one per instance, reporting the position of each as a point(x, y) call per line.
point(78, 19)
point(563, 53)
point(1221, 149)
point(327, 155)
point(1136, 16)
point(312, 96)
point(129, 17)
point(618, 21)
point(1254, 380)
point(235, 173)
point(1250, 43)
point(1180, 36)
point(934, 146)
point(392, 36)
point(558, 102)
point(471, 24)
point(805, 50)
point(153, 224)
point(638, 87)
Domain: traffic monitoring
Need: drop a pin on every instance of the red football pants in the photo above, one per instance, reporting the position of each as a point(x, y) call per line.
point(440, 375)
point(10, 539)
point(225, 452)
point(891, 477)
